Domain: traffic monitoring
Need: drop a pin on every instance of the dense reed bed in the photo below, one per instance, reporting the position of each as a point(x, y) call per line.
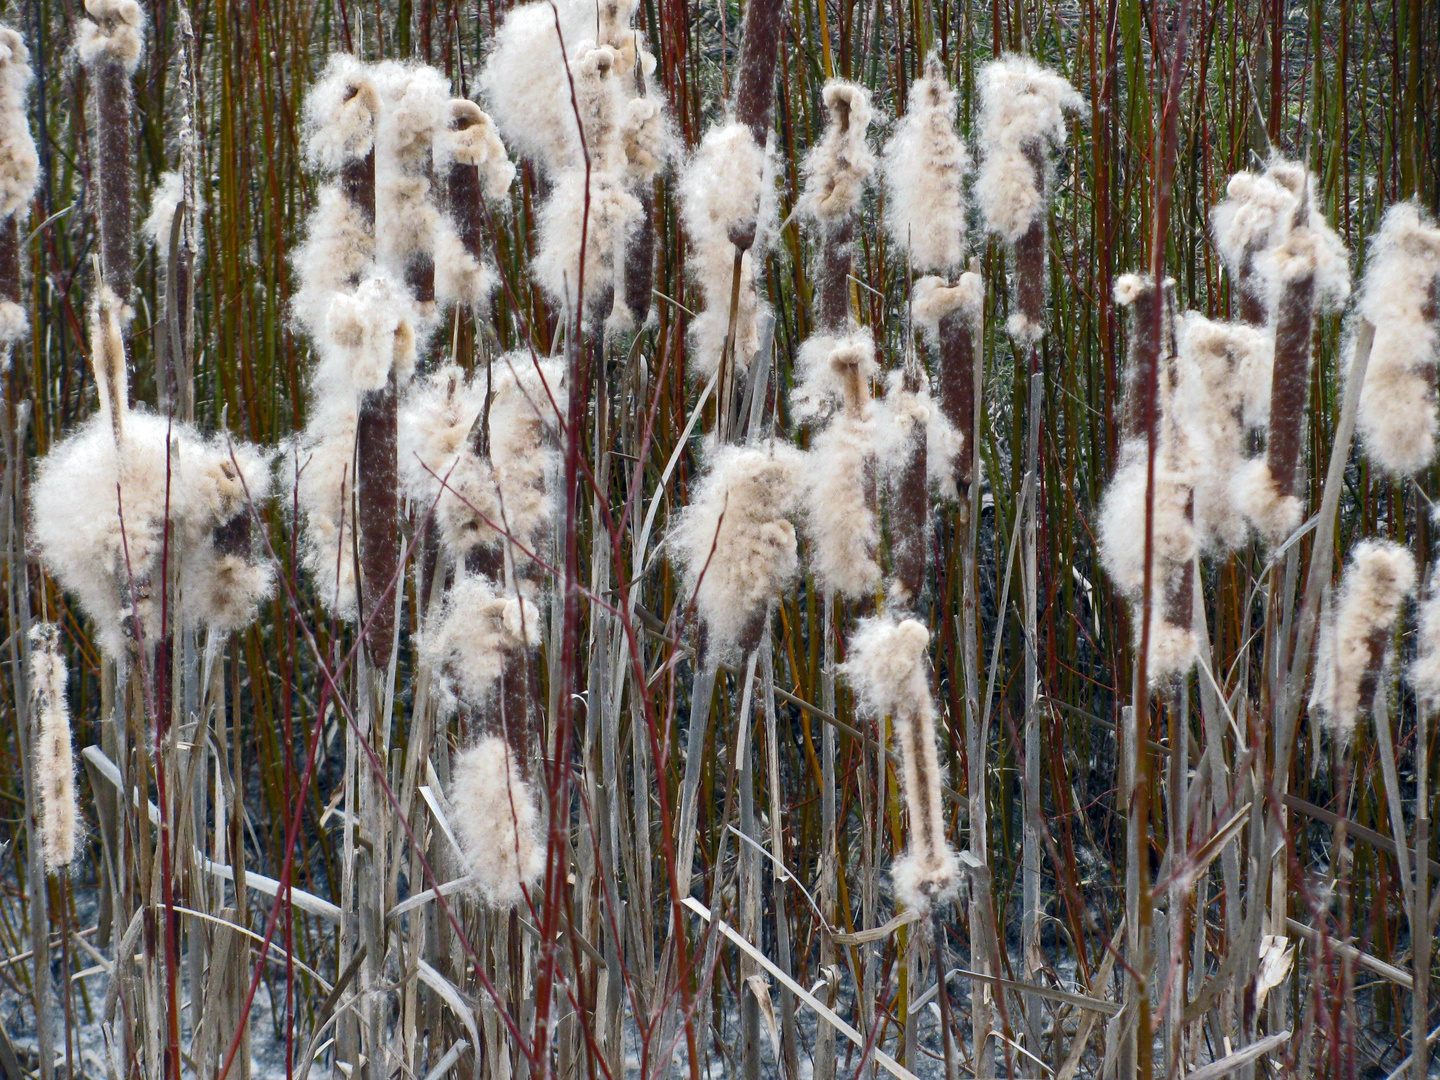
point(645, 539)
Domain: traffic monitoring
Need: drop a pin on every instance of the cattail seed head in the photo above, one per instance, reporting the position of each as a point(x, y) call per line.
point(479, 633)
point(837, 170)
point(834, 372)
point(497, 822)
point(1425, 670)
point(114, 34)
point(19, 163)
point(54, 753)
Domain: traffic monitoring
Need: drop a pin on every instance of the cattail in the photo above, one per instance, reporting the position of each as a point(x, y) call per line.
point(734, 542)
point(165, 202)
point(1174, 542)
point(727, 195)
point(437, 426)
point(1305, 272)
point(497, 822)
point(1222, 393)
point(650, 145)
point(1425, 669)
point(1354, 643)
point(887, 669)
point(836, 172)
point(1400, 297)
point(949, 316)
point(1022, 115)
point(925, 163)
point(838, 478)
point(109, 44)
point(478, 632)
point(1254, 216)
point(476, 166)
point(833, 371)
point(18, 169)
point(524, 418)
point(54, 754)
point(415, 107)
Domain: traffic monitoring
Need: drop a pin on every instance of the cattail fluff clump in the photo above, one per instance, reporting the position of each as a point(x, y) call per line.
point(1354, 643)
point(1022, 115)
point(109, 44)
point(734, 542)
point(1400, 297)
point(1255, 216)
point(836, 172)
point(479, 630)
point(727, 202)
point(924, 164)
point(838, 480)
point(525, 405)
point(591, 208)
point(887, 668)
point(1123, 509)
point(18, 170)
point(477, 167)
point(497, 822)
point(905, 406)
point(1222, 394)
point(1425, 669)
point(54, 754)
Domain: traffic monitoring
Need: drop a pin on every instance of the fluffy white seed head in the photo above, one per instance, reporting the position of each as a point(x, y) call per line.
point(369, 332)
point(837, 170)
point(648, 139)
point(436, 443)
point(54, 752)
point(886, 665)
point(734, 542)
point(1022, 107)
point(415, 107)
point(524, 422)
point(460, 278)
point(1425, 670)
point(832, 371)
point(1380, 576)
point(341, 113)
point(728, 186)
point(107, 360)
point(339, 248)
point(924, 165)
point(1272, 515)
point(19, 163)
point(1223, 391)
point(1122, 520)
point(933, 299)
point(114, 33)
point(473, 139)
point(1399, 296)
point(613, 214)
point(481, 634)
point(497, 822)
point(840, 521)
point(896, 414)
point(324, 457)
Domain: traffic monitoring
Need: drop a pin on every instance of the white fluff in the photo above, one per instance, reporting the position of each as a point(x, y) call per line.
point(837, 169)
point(1380, 576)
point(734, 543)
point(613, 214)
point(895, 414)
point(524, 422)
point(1272, 515)
point(1223, 391)
point(1022, 106)
point(169, 193)
point(1425, 670)
point(436, 433)
point(338, 249)
point(1256, 213)
point(114, 33)
point(832, 369)
point(472, 139)
point(840, 522)
point(341, 113)
point(415, 107)
point(368, 333)
point(54, 751)
point(727, 186)
point(933, 299)
point(19, 163)
point(324, 456)
point(1122, 521)
point(497, 822)
point(924, 165)
point(1397, 414)
point(460, 278)
point(648, 139)
point(480, 633)
point(76, 525)
point(887, 669)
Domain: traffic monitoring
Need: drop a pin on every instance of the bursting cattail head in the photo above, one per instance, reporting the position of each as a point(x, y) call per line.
point(54, 753)
point(837, 170)
point(613, 214)
point(436, 444)
point(323, 455)
point(339, 248)
point(1122, 520)
point(925, 163)
point(834, 372)
point(933, 299)
point(472, 139)
point(1400, 297)
point(648, 139)
point(114, 33)
point(1022, 109)
point(341, 114)
point(497, 822)
point(886, 665)
point(524, 421)
point(896, 414)
point(479, 634)
point(369, 332)
point(415, 108)
point(19, 163)
point(734, 542)
point(727, 196)
point(1353, 644)
point(841, 525)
